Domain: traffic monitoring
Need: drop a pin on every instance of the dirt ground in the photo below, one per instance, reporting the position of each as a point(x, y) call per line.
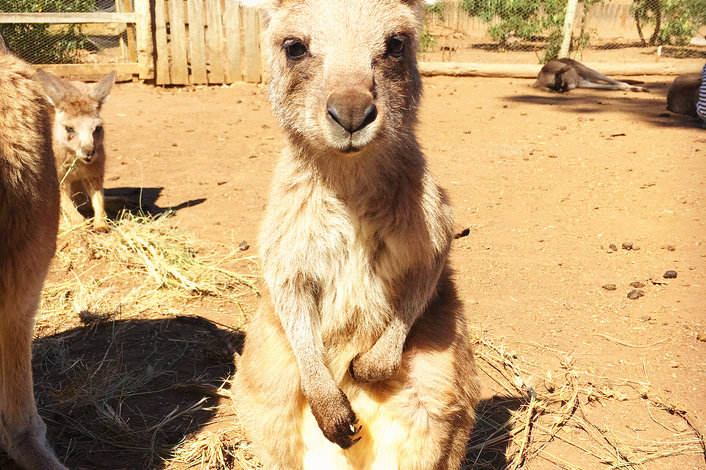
point(545, 183)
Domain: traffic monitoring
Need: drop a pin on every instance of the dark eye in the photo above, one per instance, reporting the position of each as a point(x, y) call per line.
point(69, 130)
point(295, 49)
point(99, 129)
point(395, 46)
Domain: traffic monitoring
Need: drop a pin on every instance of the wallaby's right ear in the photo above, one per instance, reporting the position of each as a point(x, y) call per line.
point(265, 5)
point(56, 88)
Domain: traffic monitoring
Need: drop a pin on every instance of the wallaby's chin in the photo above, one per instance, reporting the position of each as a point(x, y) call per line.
point(347, 143)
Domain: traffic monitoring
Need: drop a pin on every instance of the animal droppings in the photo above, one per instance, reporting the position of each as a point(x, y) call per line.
point(670, 274)
point(635, 294)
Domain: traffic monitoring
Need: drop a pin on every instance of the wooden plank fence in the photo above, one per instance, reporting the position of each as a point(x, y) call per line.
point(206, 42)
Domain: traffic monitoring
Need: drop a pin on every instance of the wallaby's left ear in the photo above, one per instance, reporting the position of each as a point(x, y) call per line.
point(101, 90)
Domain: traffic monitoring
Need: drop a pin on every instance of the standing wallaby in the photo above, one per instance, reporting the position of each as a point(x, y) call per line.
point(29, 217)
point(564, 75)
point(683, 94)
point(78, 144)
point(360, 358)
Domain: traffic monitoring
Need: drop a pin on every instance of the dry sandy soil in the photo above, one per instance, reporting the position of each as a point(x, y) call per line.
point(545, 184)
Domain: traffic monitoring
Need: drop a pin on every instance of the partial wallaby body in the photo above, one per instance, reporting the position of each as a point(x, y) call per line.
point(78, 144)
point(29, 217)
point(563, 75)
point(360, 357)
point(683, 94)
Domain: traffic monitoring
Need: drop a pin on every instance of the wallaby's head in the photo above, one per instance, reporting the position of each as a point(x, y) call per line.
point(78, 126)
point(343, 73)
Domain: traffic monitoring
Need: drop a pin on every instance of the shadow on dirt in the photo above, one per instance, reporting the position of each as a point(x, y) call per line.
point(122, 394)
point(588, 103)
point(137, 201)
point(487, 447)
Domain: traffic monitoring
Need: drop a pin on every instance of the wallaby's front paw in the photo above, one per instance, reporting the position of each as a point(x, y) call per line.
point(337, 420)
point(374, 366)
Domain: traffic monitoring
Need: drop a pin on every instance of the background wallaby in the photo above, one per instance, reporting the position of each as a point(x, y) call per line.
point(29, 217)
point(361, 356)
point(78, 144)
point(563, 75)
point(683, 94)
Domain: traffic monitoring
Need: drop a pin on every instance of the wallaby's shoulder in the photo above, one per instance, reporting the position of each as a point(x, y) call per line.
point(22, 107)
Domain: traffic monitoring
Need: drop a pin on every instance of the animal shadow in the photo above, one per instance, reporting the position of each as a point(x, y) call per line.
point(487, 447)
point(123, 394)
point(136, 201)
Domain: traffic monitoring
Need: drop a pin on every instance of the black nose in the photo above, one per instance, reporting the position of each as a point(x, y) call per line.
point(352, 109)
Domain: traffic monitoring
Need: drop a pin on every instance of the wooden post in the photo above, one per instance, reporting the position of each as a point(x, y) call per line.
point(197, 42)
point(130, 33)
point(163, 76)
point(568, 29)
point(252, 46)
point(232, 27)
point(214, 41)
point(177, 39)
point(143, 36)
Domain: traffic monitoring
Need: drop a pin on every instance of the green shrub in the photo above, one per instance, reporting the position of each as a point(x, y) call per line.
point(42, 43)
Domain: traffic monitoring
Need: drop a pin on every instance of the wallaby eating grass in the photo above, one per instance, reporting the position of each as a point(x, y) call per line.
point(29, 217)
point(78, 144)
point(683, 94)
point(563, 75)
point(360, 358)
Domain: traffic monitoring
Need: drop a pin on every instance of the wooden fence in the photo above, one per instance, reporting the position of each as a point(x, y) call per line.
point(206, 42)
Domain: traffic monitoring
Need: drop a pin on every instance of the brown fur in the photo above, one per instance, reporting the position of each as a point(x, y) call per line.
point(563, 75)
point(360, 357)
point(684, 93)
point(29, 213)
point(78, 144)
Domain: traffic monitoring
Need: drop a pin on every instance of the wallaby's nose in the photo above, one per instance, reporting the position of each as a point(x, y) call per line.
point(352, 109)
point(88, 152)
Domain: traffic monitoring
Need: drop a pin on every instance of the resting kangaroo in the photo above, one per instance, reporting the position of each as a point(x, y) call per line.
point(683, 94)
point(78, 144)
point(29, 217)
point(360, 358)
point(563, 75)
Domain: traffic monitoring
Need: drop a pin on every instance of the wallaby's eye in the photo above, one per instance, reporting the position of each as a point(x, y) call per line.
point(295, 49)
point(99, 129)
point(69, 130)
point(395, 46)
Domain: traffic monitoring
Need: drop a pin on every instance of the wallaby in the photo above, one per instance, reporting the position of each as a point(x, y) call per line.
point(563, 75)
point(78, 144)
point(29, 218)
point(683, 94)
point(360, 357)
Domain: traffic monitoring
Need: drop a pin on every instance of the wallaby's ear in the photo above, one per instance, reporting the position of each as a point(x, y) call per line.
point(57, 89)
point(265, 5)
point(101, 90)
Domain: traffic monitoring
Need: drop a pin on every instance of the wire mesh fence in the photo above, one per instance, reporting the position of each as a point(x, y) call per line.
point(69, 43)
point(530, 31)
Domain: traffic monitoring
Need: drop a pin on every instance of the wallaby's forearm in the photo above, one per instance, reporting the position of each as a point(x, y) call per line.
point(296, 308)
point(383, 360)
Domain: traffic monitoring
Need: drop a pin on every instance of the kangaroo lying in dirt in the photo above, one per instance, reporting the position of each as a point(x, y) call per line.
point(683, 94)
point(360, 358)
point(78, 144)
point(29, 217)
point(564, 75)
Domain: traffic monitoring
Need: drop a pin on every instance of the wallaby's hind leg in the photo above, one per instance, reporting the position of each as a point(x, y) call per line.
point(591, 76)
point(270, 405)
point(68, 208)
point(22, 431)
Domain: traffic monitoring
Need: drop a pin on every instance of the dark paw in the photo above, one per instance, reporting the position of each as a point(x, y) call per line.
point(338, 422)
point(364, 370)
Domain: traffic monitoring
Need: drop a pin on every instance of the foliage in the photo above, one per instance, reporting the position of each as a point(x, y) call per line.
point(528, 19)
point(435, 8)
point(42, 43)
point(672, 21)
